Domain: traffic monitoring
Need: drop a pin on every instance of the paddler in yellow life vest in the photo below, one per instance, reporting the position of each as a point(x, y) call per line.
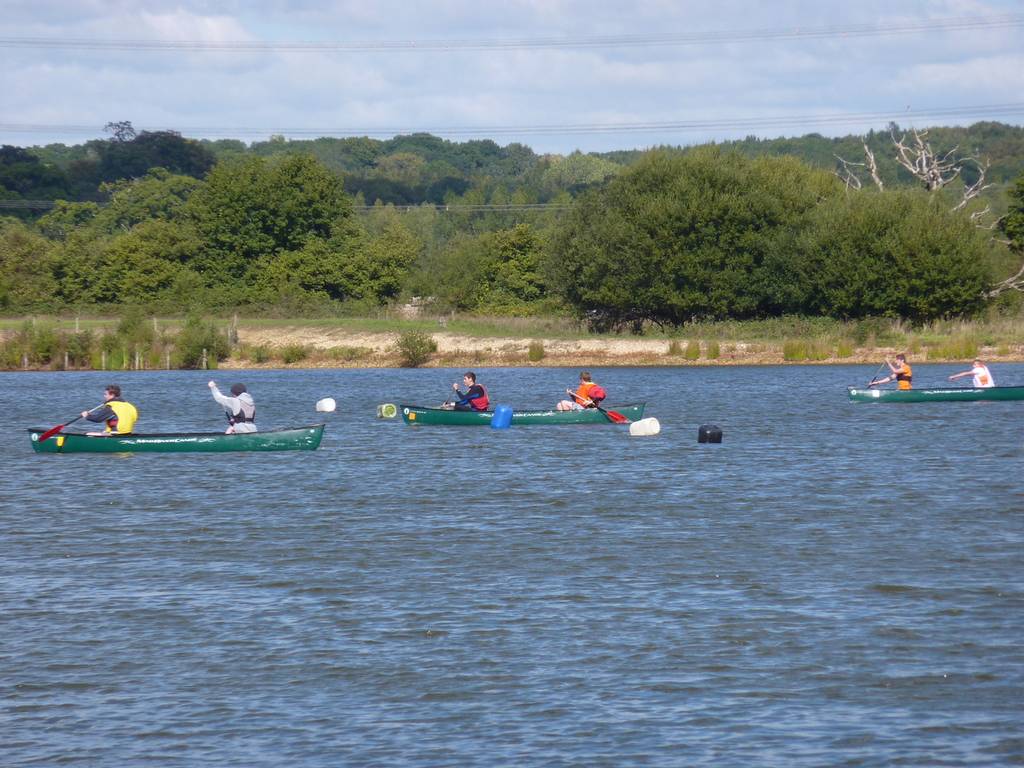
point(119, 414)
point(901, 373)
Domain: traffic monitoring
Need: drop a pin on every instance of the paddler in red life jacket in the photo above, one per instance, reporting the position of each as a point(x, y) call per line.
point(587, 395)
point(119, 415)
point(240, 408)
point(475, 396)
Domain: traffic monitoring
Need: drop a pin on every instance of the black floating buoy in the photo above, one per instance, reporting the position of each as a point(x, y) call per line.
point(709, 433)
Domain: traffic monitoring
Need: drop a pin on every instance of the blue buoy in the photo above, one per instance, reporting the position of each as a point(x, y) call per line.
point(502, 418)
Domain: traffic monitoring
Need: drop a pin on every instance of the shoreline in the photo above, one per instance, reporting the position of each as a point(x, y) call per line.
point(298, 346)
point(329, 348)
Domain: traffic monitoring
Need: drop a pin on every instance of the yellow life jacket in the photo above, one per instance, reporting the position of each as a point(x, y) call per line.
point(126, 415)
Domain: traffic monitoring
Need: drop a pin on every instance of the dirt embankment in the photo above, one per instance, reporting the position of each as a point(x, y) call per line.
point(331, 347)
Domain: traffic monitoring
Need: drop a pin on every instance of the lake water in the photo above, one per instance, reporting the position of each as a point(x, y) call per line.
point(834, 584)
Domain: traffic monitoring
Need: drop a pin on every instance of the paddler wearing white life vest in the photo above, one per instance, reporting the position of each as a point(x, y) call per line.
point(240, 408)
point(982, 377)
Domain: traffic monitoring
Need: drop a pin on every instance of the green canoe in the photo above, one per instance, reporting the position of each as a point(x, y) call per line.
point(297, 439)
point(415, 414)
point(935, 395)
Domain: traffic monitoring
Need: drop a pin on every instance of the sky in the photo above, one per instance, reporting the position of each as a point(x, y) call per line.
point(556, 75)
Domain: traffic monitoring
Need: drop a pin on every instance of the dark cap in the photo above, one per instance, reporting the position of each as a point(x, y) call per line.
point(237, 389)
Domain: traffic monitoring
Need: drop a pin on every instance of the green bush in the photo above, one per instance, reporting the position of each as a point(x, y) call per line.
point(195, 336)
point(962, 348)
point(713, 352)
point(293, 353)
point(415, 348)
point(536, 353)
point(692, 350)
point(349, 354)
point(674, 349)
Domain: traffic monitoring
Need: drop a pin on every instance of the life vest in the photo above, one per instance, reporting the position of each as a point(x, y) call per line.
point(904, 376)
point(480, 402)
point(246, 413)
point(125, 416)
point(982, 377)
point(587, 391)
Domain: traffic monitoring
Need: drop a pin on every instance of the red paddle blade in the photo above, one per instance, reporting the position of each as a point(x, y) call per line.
point(50, 432)
point(617, 417)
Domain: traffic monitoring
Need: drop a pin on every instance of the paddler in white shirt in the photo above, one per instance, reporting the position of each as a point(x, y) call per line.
point(982, 377)
point(240, 408)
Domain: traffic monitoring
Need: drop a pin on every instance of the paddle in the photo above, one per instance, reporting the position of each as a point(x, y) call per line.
point(873, 382)
point(613, 416)
point(53, 431)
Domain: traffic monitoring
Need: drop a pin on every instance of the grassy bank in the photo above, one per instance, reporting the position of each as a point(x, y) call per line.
point(241, 342)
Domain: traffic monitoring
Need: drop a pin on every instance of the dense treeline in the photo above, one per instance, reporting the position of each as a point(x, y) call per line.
point(670, 237)
point(712, 235)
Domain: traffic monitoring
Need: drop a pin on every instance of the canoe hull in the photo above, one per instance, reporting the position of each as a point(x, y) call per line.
point(935, 395)
point(297, 439)
point(415, 414)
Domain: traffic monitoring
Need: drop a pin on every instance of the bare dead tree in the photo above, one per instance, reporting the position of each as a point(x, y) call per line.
point(936, 171)
point(971, 191)
point(873, 167)
point(930, 169)
point(1015, 283)
point(847, 174)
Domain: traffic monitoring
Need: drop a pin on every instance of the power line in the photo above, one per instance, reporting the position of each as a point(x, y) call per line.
point(43, 205)
point(956, 24)
point(974, 112)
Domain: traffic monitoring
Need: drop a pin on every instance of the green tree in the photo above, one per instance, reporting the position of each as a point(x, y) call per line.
point(681, 236)
point(1013, 223)
point(27, 280)
point(157, 195)
point(897, 254)
point(145, 266)
point(252, 209)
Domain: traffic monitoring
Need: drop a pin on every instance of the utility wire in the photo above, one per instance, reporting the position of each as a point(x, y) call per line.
point(43, 205)
point(974, 112)
point(956, 24)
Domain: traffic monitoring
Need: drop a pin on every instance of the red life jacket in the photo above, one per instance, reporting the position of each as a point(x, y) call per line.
point(480, 402)
point(597, 393)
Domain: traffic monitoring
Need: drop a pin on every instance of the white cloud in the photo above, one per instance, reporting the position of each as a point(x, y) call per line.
point(534, 87)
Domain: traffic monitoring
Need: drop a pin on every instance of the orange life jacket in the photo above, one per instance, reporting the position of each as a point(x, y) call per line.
point(903, 377)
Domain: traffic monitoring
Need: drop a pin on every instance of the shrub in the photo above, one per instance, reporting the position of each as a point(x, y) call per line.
point(796, 350)
point(844, 348)
point(674, 349)
point(713, 352)
point(195, 336)
point(348, 354)
point(963, 348)
point(692, 350)
point(536, 353)
point(259, 354)
point(293, 353)
point(415, 348)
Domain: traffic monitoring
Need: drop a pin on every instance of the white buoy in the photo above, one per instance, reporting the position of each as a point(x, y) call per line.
point(387, 411)
point(327, 405)
point(645, 427)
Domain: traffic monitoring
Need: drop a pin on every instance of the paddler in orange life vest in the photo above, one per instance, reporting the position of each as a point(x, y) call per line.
point(119, 414)
point(587, 395)
point(475, 396)
point(901, 373)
